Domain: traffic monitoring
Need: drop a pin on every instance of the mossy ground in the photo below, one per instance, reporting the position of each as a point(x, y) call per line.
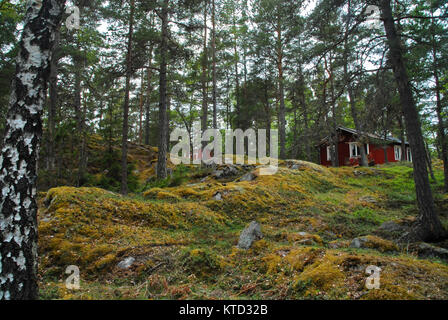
point(184, 240)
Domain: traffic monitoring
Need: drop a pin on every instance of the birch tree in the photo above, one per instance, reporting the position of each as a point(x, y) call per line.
point(18, 159)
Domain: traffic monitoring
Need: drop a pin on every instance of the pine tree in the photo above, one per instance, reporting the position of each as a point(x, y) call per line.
point(429, 227)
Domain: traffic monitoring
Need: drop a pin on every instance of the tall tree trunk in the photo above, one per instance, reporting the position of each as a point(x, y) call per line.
point(204, 75)
point(295, 145)
point(267, 110)
point(54, 102)
point(148, 98)
point(124, 142)
point(168, 111)
point(18, 160)
point(440, 122)
point(402, 137)
point(214, 93)
point(335, 154)
point(140, 126)
point(228, 102)
point(428, 227)
point(78, 64)
point(82, 166)
point(281, 94)
point(428, 159)
point(306, 127)
point(237, 78)
point(163, 117)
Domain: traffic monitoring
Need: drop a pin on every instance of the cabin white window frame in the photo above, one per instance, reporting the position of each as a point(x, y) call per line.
point(408, 154)
point(354, 146)
point(397, 149)
point(358, 150)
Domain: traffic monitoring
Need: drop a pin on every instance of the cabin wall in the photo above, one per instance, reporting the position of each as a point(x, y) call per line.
point(376, 153)
point(343, 154)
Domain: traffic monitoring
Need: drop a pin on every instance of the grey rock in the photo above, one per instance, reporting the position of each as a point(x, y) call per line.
point(126, 263)
point(428, 250)
point(227, 170)
point(250, 234)
point(358, 242)
point(248, 177)
point(217, 196)
point(218, 173)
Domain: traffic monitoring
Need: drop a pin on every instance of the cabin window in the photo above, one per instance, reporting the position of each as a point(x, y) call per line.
point(397, 151)
point(408, 154)
point(355, 151)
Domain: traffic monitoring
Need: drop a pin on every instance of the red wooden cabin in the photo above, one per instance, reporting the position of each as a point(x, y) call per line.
point(349, 153)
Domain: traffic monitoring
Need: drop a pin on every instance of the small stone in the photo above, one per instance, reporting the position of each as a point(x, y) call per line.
point(217, 196)
point(358, 242)
point(126, 263)
point(249, 235)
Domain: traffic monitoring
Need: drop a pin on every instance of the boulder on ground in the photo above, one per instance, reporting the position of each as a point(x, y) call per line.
point(427, 250)
point(250, 234)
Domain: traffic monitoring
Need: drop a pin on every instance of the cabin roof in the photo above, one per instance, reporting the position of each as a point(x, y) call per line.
point(390, 139)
